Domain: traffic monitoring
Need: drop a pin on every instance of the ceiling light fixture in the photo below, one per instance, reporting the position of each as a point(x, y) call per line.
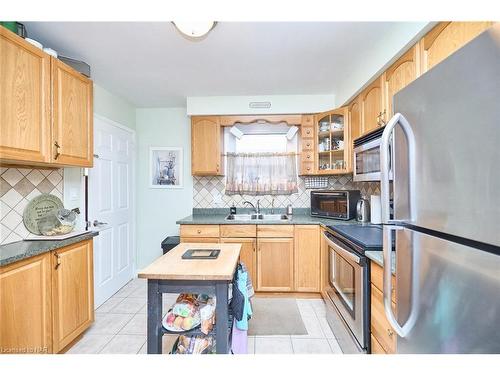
point(194, 30)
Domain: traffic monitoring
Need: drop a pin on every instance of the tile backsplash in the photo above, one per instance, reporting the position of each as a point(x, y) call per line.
point(208, 192)
point(17, 187)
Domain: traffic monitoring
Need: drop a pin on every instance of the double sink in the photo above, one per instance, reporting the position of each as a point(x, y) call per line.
point(257, 217)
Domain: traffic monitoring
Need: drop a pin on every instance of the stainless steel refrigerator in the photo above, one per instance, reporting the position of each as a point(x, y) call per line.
point(446, 192)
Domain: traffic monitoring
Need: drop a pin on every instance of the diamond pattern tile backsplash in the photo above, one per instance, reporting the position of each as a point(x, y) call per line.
point(208, 192)
point(17, 187)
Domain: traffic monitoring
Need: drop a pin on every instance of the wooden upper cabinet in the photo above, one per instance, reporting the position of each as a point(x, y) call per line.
point(307, 258)
point(372, 106)
point(446, 38)
point(354, 115)
point(206, 146)
point(72, 292)
point(25, 306)
point(72, 121)
point(24, 100)
point(400, 74)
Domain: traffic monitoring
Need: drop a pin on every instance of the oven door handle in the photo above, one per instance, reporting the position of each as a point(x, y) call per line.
point(341, 250)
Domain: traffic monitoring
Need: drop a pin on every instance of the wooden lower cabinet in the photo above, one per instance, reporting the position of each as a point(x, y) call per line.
point(248, 253)
point(275, 264)
point(307, 258)
point(376, 347)
point(73, 292)
point(25, 306)
point(380, 327)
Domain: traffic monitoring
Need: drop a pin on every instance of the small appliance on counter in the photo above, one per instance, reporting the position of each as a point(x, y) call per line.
point(363, 210)
point(334, 204)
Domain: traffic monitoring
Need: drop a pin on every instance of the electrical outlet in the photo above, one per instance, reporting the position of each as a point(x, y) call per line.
point(218, 199)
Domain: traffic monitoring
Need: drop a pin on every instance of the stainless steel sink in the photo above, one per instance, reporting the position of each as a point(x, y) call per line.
point(256, 217)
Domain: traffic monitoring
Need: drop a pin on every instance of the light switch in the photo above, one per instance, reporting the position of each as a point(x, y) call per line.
point(73, 194)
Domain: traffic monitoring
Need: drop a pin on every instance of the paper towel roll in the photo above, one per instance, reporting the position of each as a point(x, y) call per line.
point(375, 209)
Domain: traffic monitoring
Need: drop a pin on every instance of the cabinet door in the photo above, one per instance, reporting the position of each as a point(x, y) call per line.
point(307, 258)
point(372, 106)
point(354, 114)
point(248, 254)
point(446, 38)
point(72, 117)
point(24, 100)
point(72, 292)
point(399, 75)
point(25, 306)
point(206, 146)
point(275, 264)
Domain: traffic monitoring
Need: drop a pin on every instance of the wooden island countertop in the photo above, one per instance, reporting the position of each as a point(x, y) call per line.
point(171, 266)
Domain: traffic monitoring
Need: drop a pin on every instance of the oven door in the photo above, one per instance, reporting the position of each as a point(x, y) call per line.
point(346, 276)
point(366, 165)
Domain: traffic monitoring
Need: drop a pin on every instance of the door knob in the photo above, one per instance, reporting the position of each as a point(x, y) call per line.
point(97, 223)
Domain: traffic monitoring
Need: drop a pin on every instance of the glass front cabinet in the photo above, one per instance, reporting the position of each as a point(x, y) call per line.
point(333, 143)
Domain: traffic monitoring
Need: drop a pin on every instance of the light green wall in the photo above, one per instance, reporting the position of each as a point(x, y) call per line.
point(158, 209)
point(113, 107)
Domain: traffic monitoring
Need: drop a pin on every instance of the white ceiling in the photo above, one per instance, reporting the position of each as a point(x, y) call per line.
point(151, 65)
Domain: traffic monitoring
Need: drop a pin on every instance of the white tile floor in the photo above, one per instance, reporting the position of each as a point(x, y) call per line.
point(120, 327)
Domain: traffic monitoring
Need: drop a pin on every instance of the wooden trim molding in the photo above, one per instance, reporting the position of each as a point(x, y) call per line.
point(248, 119)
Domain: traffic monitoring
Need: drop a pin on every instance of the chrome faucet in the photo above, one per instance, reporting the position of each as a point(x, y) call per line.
point(272, 206)
point(256, 209)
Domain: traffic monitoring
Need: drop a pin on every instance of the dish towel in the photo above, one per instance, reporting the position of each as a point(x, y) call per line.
point(247, 308)
point(239, 342)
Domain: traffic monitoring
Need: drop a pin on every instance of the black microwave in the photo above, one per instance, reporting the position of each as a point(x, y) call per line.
point(334, 204)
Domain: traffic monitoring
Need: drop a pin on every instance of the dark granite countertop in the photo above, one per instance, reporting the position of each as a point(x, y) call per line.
point(218, 216)
point(20, 250)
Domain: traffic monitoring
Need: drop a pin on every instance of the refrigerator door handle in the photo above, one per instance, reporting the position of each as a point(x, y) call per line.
point(385, 165)
point(401, 330)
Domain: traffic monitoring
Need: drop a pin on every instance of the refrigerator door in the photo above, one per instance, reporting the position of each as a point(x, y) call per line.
point(458, 295)
point(454, 114)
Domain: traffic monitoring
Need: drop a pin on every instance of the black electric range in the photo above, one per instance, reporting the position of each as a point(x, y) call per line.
point(365, 236)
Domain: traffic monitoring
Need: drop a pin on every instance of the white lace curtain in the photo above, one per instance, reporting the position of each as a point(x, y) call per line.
point(261, 173)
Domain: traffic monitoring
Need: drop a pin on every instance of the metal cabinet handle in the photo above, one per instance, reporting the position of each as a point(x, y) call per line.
point(58, 260)
point(57, 150)
point(198, 231)
point(308, 156)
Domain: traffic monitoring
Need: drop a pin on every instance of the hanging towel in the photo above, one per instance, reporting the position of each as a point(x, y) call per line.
point(242, 277)
point(250, 290)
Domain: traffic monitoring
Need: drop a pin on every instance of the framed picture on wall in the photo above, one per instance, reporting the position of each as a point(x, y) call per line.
point(165, 167)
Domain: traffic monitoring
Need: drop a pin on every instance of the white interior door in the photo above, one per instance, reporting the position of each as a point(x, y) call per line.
point(111, 207)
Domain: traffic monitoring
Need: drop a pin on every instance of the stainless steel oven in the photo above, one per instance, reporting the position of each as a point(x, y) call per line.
point(366, 164)
point(348, 286)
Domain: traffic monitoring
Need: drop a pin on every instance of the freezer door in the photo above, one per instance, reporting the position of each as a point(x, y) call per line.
point(454, 113)
point(458, 296)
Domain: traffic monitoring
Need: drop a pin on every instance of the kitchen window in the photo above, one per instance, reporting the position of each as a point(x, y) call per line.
point(261, 161)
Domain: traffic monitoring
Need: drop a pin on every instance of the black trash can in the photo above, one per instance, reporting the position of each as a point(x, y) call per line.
point(169, 243)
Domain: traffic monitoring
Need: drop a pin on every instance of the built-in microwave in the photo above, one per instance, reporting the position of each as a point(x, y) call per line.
point(334, 204)
point(366, 164)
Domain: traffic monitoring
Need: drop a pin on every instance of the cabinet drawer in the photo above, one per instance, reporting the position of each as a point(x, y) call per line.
point(307, 167)
point(376, 347)
point(307, 145)
point(235, 230)
point(381, 328)
point(199, 231)
point(307, 157)
point(307, 132)
point(268, 231)
point(377, 278)
point(200, 239)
